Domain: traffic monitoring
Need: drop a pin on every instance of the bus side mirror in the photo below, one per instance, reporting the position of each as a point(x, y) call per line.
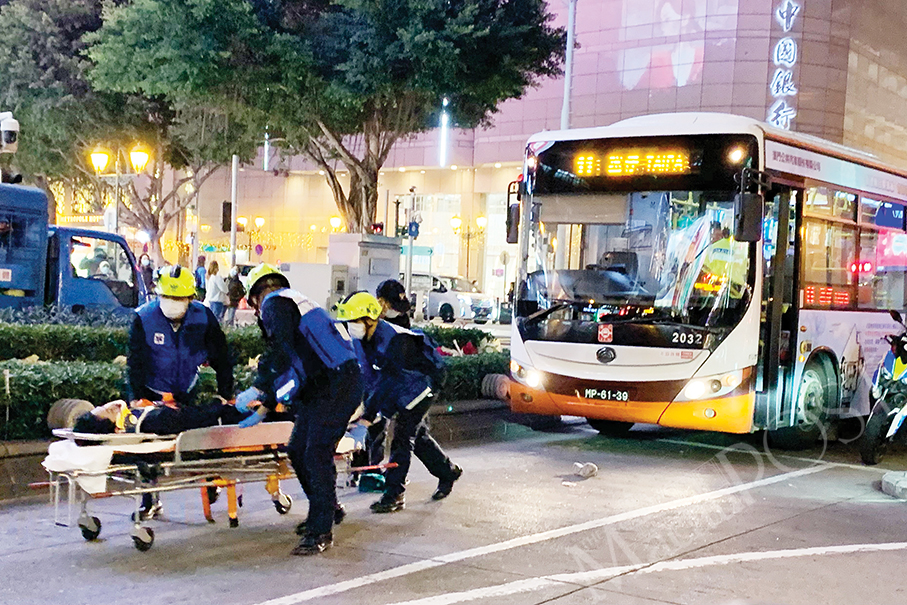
point(514, 190)
point(513, 224)
point(748, 217)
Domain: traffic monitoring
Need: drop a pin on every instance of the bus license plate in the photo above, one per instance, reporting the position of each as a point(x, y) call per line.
point(607, 394)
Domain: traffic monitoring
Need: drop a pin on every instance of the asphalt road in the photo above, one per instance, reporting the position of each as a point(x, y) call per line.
point(671, 517)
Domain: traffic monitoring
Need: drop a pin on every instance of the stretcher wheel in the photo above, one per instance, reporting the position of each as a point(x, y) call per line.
point(143, 538)
point(91, 528)
point(283, 503)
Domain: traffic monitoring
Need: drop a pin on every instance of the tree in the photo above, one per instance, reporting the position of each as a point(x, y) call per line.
point(43, 79)
point(342, 81)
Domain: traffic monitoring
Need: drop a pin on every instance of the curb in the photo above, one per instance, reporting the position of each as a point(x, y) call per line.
point(894, 484)
point(17, 449)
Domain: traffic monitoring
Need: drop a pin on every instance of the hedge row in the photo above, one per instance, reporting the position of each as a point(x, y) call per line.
point(52, 342)
point(446, 336)
point(34, 387)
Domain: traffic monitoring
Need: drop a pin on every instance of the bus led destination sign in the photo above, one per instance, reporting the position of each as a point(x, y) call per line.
point(636, 162)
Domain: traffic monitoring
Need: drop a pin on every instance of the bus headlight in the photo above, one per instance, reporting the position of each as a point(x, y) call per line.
point(533, 379)
point(711, 386)
point(528, 376)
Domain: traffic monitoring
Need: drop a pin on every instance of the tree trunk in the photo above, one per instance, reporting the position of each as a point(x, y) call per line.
point(362, 202)
point(42, 183)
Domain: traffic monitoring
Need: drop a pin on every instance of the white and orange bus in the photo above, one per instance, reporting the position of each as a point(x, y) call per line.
point(704, 271)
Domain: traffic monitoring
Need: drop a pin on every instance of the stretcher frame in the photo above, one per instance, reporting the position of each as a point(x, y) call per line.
point(214, 457)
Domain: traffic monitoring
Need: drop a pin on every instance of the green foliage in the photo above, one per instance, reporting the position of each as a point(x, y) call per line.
point(465, 374)
point(446, 336)
point(62, 315)
point(44, 70)
point(61, 342)
point(319, 72)
point(245, 343)
point(34, 387)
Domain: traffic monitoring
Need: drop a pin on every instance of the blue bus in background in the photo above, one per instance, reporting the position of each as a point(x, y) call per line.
point(74, 269)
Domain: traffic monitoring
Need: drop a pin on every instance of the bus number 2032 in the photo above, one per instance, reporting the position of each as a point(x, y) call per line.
point(686, 338)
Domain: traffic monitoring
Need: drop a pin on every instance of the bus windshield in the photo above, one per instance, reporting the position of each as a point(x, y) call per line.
point(658, 256)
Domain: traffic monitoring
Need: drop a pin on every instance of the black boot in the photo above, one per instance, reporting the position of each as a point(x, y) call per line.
point(445, 486)
point(151, 508)
point(339, 516)
point(388, 504)
point(312, 544)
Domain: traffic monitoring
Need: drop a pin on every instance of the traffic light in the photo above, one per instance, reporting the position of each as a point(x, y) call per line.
point(226, 217)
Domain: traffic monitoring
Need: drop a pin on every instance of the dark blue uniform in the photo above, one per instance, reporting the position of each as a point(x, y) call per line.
point(400, 386)
point(162, 360)
point(310, 365)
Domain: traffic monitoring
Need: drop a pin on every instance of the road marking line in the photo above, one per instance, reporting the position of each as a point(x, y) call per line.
point(709, 446)
point(462, 555)
point(590, 578)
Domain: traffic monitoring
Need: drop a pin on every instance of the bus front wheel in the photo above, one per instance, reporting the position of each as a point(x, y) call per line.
point(813, 402)
point(610, 428)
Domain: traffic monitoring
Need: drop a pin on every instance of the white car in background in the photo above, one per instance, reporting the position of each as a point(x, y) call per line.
point(453, 298)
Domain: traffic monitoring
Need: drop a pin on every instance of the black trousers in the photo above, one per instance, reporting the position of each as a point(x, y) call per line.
point(375, 437)
point(411, 437)
point(321, 421)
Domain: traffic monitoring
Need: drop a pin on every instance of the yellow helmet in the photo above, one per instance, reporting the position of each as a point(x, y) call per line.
point(260, 271)
point(358, 305)
point(175, 281)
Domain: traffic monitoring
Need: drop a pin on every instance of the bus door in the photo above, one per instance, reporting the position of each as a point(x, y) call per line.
point(779, 308)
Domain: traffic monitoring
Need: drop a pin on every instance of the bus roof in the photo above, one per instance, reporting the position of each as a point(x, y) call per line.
point(688, 123)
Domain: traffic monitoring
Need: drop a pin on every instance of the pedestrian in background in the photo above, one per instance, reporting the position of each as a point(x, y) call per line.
point(215, 291)
point(146, 267)
point(235, 293)
point(200, 279)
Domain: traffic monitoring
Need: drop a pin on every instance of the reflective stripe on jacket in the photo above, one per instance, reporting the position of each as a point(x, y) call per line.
point(328, 340)
point(394, 384)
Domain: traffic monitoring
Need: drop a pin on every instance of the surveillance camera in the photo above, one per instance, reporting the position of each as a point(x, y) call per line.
point(9, 135)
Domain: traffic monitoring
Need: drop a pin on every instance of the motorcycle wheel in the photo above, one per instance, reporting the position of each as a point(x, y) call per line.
point(874, 442)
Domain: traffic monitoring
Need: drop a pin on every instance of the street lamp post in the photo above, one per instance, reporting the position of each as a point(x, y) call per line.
point(468, 234)
point(259, 223)
point(243, 222)
point(100, 158)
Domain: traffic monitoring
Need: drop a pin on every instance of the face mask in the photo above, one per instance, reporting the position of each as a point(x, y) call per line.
point(392, 313)
point(234, 272)
point(173, 308)
point(356, 330)
point(146, 262)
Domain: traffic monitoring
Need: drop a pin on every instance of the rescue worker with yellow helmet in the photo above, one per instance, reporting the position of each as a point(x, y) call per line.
point(309, 365)
point(402, 371)
point(170, 338)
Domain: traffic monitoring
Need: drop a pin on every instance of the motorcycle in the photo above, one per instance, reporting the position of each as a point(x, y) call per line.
point(888, 396)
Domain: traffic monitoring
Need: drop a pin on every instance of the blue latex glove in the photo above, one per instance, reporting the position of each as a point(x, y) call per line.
point(252, 420)
point(247, 397)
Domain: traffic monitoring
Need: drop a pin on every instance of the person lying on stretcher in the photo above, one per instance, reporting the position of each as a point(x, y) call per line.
point(162, 417)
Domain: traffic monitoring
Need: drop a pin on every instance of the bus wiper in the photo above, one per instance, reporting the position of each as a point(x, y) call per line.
point(674, 322)
point(542, 314)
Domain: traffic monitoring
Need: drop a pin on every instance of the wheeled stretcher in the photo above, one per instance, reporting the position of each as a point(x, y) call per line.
point(134, 464)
